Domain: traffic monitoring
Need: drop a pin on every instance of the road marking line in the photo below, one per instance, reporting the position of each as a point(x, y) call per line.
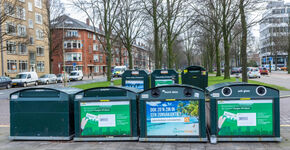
point(4, 126)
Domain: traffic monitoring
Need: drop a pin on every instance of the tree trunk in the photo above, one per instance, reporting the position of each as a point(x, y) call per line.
point(109, 60)
point(170, 52)
point(217, 56)
point(129, 49)
point(188, 58)
point(244, 42)
point(156, 36)
point(227, 56)
point(276, 62)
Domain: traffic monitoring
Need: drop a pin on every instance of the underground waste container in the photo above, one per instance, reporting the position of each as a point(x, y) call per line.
point(172, 113)
point(135, 78)
point(42, 114)
point(106, 114)
point(164, 77)
point(195, 76)
point(243, 112)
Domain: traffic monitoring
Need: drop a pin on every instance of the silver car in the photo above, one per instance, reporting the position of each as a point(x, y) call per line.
point(47, 78)
point(61, 77)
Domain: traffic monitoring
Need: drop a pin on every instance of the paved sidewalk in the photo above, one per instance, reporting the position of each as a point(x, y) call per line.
point(5, 144)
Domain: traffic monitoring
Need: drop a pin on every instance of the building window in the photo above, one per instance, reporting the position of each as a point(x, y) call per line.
point(40, 66)
point(31, 40)
point(38, 3)
point(22, 0)
point(29, 6)
point(39, 51)
point(11, 47)
point(73, 56)
point(72, 44)
point(97, 69)
point(30, 23)
point(12, 66)
point(38, 18)
point(20, 13)
point(39, 34)
point(95, 47)
point(89, 35)
point(94, 36)
point(101, 58)
point(90, 49)
point(10, 28)
point(72, 33)
point(9, 9)
point(23, 67)
point(96, 58)
point(22, 49)
point(21, 30)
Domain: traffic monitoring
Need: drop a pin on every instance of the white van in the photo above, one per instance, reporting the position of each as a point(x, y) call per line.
point(25, 78)
point(118, 71)
point(76, 75)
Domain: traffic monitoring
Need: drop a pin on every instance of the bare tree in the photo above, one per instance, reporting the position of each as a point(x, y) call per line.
point(154, 11)
point(54, 10)
point(105, 13)
point(129, 25)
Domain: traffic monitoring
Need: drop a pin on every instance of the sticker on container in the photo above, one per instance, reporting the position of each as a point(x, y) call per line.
point(196, 95)
point(164, 72)
point(203, 73)
point(135, 72)
point(107, 120)
point(246, 119)
point(215, 94)
point(145, 96)
point(185, 71)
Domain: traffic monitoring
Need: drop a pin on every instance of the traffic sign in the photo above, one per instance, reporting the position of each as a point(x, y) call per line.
point(74, 64)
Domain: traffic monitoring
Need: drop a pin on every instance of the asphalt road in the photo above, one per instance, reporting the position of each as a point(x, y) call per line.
point(4, 93)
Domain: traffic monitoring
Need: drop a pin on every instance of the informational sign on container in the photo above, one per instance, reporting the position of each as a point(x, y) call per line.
point(105, 118)
point(138, 84)
point(161, 82)
point(245, 117)
point(172, 118)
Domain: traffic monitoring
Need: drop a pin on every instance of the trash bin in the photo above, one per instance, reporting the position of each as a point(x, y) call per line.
point(195, 76)
point(135, 78)
point(163, 77)
point(172, 113)
point(243, 112)
point(106, 114)
point(42, 114)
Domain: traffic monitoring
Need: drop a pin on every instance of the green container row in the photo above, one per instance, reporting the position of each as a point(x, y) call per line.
point(170, 113)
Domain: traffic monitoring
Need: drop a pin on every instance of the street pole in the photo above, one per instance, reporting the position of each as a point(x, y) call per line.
point(63, 57)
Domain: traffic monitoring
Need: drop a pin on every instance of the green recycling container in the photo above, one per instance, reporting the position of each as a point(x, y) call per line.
point(243, 112)
point(172, 113)
point(106, 114)
point(195, 76)
point(135, 78)
point(42, 114)
point(164, 77)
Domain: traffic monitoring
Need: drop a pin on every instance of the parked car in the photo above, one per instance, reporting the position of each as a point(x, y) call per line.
point(61, 77)
point(25, 78)
point(284, 68)
point(5, 82)
point(76, 75)
point(236, 70)
point(253, 72)
point(264, 71)
point(47, 78)
point(118, 71)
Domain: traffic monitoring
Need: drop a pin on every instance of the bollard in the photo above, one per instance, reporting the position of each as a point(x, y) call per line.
point(112, 82)
point(237, 77)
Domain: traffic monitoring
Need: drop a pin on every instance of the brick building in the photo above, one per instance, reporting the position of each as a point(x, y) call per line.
point(83, 50)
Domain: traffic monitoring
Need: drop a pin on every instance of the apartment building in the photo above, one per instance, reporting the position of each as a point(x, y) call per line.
point(25, 44)
point(83, 49)
point(273, 33)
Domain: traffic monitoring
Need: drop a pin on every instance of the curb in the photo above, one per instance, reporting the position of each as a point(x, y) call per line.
point(285, 96)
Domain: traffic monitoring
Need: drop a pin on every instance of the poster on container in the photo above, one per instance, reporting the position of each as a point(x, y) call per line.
point(245, 117)
point(138, 84)
point(105, 118)
point(172, 118)
point(164, 82)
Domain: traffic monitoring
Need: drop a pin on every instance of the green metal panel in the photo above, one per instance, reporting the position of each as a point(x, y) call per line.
point(164, 77)
point(172, 113)
point(195, 76)
point(93, 110)
point(41, 114)
point(241, 111)
point(135, 78)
